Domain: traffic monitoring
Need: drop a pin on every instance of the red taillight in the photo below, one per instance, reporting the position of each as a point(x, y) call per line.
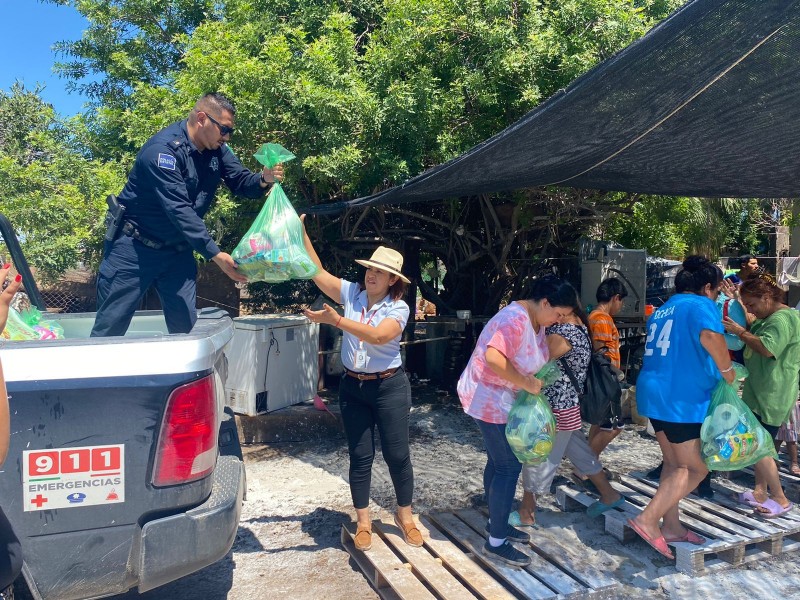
point(187, 443)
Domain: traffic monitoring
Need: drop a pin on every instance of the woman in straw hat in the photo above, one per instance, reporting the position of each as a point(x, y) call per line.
point(374, 390)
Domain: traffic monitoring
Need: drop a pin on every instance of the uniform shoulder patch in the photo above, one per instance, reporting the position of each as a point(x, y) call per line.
point(167, 161)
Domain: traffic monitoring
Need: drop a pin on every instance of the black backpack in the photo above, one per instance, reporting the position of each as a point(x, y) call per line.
point(601, 397)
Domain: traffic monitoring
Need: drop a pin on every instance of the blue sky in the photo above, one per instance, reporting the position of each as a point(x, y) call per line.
point(26, 48)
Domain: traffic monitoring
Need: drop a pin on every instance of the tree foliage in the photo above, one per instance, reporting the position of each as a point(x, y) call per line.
point(366, 94)
point(49, 189)
point(677, 227)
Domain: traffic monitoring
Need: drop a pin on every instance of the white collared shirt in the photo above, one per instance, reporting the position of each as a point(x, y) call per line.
point(384, 356)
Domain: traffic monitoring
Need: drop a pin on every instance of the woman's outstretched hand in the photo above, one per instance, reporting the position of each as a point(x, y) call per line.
point(327, 315)
point(7, 295)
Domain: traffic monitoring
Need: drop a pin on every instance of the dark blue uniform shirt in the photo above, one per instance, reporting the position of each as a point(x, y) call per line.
point(172, 185)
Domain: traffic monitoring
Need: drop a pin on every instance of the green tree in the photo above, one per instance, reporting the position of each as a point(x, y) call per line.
point(676, 227)
point(52, 193)
point(366, 94)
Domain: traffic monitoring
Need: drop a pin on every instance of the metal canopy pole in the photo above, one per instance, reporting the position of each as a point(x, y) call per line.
point(20, 263)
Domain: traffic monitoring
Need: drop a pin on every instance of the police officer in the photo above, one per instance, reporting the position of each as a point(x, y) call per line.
point(170, 188)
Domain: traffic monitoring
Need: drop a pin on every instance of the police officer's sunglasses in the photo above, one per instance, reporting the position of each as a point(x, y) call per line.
point(223, 129)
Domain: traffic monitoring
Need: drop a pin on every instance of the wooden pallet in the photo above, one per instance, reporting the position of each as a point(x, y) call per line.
point(451, 566)
point(734, 535)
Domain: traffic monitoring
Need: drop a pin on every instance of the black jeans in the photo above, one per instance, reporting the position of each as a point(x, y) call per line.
point(385, 403)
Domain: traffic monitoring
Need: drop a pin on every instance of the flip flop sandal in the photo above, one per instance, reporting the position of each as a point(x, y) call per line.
point(515, 521)
point(598, 508)
point(690, 537)
point(772, 509)
point(748, 499)
point(658, 544)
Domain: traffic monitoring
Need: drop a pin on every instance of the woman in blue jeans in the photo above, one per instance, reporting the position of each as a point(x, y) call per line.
point(374, 391)
point(510, 349)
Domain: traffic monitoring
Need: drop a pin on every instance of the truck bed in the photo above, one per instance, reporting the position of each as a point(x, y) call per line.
point(79, 404)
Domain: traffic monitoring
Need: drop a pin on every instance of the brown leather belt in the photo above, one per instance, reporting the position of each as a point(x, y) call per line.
point(371, 376)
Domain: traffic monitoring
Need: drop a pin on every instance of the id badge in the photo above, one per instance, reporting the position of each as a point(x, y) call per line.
point(360, 361)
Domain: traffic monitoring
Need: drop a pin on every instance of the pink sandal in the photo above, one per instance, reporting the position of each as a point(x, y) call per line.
point(659, 544)
point(690, 537)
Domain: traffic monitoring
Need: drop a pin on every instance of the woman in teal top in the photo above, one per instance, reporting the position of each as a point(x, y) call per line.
point(684, 357)
point(772, 356)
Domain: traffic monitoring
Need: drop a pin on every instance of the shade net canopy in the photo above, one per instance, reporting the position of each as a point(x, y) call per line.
point(706, 104)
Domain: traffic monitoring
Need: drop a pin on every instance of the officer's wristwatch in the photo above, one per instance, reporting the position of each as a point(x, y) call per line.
point(261, 177)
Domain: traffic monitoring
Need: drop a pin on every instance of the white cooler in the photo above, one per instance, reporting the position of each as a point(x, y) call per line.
point(273, 362)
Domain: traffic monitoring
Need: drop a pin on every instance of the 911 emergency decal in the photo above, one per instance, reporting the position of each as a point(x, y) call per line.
point(85, 476)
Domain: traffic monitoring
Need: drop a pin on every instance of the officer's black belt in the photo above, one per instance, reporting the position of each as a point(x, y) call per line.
point(131, 230)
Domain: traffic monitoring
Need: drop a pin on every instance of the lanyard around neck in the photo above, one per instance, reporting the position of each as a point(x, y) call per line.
point(364, 314)
point(361, 320)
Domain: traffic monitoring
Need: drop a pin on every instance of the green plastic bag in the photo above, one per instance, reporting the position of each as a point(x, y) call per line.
point(270, 155)
point(46, 330)
point(17, 329)
point(29, 325)
point(731, 436)
point(531, 427)
point(272, 250)
point(549, 373)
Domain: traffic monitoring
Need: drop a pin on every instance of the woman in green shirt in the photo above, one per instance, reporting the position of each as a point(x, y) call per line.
point(772, 356)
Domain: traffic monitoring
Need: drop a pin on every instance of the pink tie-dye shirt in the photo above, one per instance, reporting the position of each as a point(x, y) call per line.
point(483, 394)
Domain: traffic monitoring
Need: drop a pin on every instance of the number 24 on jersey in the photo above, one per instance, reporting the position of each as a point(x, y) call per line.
point(662, 343)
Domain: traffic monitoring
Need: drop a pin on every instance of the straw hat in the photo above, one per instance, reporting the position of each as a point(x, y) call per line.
point(387, 260)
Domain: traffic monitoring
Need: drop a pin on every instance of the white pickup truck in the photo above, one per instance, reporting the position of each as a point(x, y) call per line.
point(124, 469)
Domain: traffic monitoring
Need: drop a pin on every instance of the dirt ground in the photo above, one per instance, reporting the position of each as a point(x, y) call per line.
point(298, 497)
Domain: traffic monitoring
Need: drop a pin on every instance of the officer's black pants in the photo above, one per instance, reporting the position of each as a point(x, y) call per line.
point(128, 270)
point(385, 403)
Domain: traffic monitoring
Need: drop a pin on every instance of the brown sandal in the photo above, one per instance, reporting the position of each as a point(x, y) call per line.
point(411, 534)
point(363, 538)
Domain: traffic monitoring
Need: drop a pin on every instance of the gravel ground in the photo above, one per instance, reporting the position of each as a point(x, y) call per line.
point(288, 541)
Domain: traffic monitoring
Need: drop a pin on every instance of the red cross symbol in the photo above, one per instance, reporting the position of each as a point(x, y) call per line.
point(39, 500)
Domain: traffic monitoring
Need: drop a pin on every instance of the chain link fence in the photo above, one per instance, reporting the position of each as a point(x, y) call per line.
point(74, 292)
